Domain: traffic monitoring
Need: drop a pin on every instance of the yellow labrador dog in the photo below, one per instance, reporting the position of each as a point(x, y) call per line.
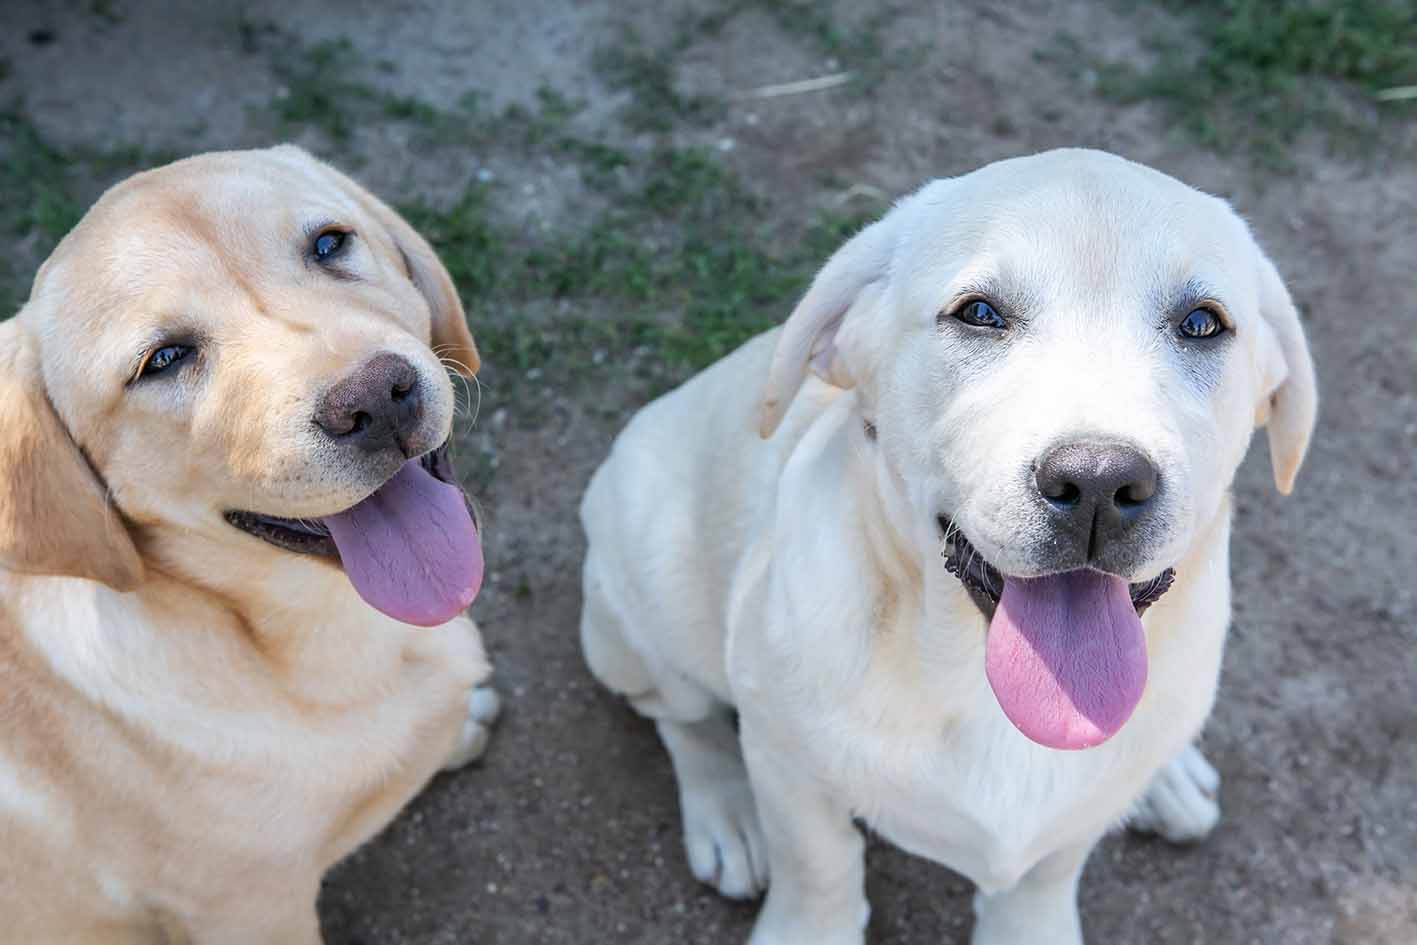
point(224, 500)
point(953, 543)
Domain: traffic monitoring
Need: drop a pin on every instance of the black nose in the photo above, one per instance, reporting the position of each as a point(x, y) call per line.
point(376, 407)
point(1097, 491)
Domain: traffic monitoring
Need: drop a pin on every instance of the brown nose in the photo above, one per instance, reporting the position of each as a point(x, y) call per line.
point(1097, 492)
point(376, 407)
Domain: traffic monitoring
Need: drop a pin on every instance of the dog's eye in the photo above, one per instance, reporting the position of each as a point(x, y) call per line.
point(980, 314)
point(328, 243)
point(1201, 323)
point(160, 359)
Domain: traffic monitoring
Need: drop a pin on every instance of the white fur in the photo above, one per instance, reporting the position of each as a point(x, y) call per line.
point(797, 578)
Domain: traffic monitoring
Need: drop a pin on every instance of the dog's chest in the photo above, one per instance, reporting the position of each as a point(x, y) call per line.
point(989, 815)
point(970, 792)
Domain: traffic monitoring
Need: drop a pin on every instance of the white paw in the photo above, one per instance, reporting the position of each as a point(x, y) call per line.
point(1181, 803)
point(483, 707)
point(723, 839)
point(792, 927)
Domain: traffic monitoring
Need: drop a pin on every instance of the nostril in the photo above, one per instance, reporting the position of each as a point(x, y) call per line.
point(374, 407)
point(1058, 491)
point(1134, 494)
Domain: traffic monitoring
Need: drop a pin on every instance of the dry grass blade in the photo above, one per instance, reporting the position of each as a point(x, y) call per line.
point(800, 87)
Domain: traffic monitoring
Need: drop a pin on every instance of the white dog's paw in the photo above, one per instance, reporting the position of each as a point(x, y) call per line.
point(483, 707)
point(1181, 803)
point(723, 839)
point(804, 925)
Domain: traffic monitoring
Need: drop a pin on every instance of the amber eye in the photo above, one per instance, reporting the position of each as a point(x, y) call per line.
point(1201, 323)
point(160, 359)
point(328, 243)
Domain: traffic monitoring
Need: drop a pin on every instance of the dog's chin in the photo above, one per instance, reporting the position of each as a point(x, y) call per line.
point(311, 536)
point(985, 583)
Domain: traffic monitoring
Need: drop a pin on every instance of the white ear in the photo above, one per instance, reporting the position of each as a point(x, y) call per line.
point(809, 339)
point(1290, 390)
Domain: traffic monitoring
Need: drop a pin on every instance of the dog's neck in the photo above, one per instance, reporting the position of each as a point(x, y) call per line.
point(288, 609)
point(887, 517)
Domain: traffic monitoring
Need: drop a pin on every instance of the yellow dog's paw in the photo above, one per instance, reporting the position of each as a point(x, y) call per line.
point(483, 708)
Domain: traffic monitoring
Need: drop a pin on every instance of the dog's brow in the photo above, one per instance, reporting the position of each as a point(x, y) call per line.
point(1009, 294)
point(1186, 296)
point(171, 331)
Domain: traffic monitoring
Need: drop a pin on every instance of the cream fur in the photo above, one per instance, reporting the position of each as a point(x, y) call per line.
point(797, 579)
point(194, 724)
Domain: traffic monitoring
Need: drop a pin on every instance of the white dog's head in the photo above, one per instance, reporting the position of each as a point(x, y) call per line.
point(1062, 358)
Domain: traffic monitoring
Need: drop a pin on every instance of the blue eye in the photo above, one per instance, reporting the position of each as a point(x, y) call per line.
point(1201, 323)
point(327, 244)
point(160, 359)
point(980, 314)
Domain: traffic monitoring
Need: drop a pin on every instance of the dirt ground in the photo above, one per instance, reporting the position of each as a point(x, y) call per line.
point(568, 832)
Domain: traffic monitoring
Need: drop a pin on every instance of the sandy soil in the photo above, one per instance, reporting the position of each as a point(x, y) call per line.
point(568, 832)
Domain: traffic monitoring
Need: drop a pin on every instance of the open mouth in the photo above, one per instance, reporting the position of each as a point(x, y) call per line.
point(410, 548)
point(311, 536)
point(1066, 653)
point(985, 583)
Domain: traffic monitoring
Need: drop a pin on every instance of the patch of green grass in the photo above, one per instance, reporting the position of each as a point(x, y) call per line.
point(1371, 42)
point(45, 190)
point(36, 198)
point(675, 273)
point(1255, 74)
point(470, 247)
point(649, 76)
point(35, 190)
point(319, 89)
point(325, 89)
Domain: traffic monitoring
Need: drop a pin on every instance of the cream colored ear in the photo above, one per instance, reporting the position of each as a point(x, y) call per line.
point(451, 338)
point(808, 340)
point(1290, 388)
point(55, 516)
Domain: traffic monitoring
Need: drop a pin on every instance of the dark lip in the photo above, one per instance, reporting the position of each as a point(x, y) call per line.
point(310, 536)
point(985, 583)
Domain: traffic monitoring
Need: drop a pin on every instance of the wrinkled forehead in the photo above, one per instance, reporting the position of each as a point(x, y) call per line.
point(184, 239)
point(227, 211)
point(176, 255)
point(1072, 233)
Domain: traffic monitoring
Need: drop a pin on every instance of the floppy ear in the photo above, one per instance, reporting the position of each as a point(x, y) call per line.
point(1290, 392)
point(450, 336)
point(55, 516)
point(809, 339)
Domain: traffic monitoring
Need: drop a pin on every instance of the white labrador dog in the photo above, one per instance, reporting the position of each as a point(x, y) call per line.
point(1000, 426)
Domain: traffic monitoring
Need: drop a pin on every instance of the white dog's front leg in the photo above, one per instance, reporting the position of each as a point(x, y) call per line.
point(1180, 804)
point(1040, 909)
point(815, 853)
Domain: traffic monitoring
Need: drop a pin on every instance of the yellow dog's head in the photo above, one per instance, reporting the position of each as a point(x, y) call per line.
point(240, 355)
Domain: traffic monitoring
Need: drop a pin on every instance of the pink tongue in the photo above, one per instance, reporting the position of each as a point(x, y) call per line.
point(410, 549)
point(1066, 657)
